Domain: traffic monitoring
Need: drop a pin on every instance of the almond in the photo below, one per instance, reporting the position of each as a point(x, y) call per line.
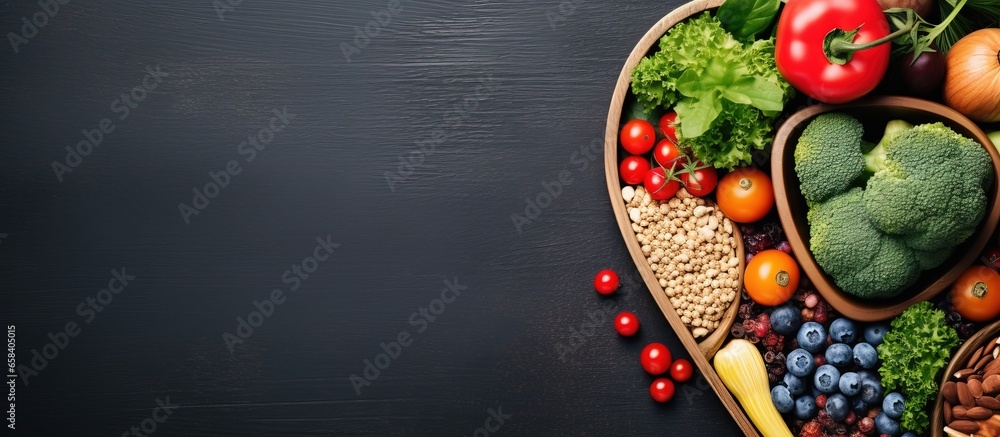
point(979, 413)
point(948, 415)
point(992, 368)
point(982, 363)
point(950, 391)
point(959, 412)
point(991, 385)
point(965, 396)
point(976, 376)
point(975, 357)
point(988, 402)
point(964, 373)
point(976, 388)
point(966, 426)
point(996, 352)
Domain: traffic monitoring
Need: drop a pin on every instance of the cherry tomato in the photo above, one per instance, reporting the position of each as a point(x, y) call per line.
point(626, 323)
point(771, 277)
point(976, 294)
point(681, 370)
point(699, 179)
point(668, 155)
point(633, 169)
point(745, 195)
point(655, 358)
point(662, 389)
point(668, 126)
point(606, 281)
point(638, 136)
point(659, 186)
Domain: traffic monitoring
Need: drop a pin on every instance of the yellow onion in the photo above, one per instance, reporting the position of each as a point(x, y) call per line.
point(972, 82)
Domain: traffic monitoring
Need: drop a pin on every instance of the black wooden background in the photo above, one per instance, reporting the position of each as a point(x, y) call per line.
point(484, 101)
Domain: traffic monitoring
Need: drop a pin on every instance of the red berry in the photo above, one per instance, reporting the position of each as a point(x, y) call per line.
point(606, 281)
point(866, 425)
point(821, 401)
point(851, 418)
point(819, 360)
point(626, 323)
point(811, 429)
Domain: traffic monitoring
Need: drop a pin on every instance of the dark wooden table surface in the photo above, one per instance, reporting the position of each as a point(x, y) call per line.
point(166, 166)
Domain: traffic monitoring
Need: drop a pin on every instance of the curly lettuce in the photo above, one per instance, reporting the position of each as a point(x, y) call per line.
point(913, 353)
point(726, 93)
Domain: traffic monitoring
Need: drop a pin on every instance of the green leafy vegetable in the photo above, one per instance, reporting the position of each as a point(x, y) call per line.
point(726, 93)
point(913, 353)
point(746, 18)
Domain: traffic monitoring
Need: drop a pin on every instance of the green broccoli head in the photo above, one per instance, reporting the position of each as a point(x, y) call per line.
point(929, 186)
point(861, 259)
point(828, 155)
point(929, 259)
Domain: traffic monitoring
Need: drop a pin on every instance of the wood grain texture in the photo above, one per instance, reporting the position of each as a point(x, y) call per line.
point(496, 346)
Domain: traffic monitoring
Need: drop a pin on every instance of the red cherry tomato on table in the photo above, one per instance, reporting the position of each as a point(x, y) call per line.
point(699, 179)
point(669, 155)
point(976, 294)
point(668, 126)
point(681, 370)
point(655, 358)
point(638, 136)
point(606, 281)
point(800, 49)
point(662, 390)
point(659, 186)
point(745, 195)
point(633, 169)
point(626, 323)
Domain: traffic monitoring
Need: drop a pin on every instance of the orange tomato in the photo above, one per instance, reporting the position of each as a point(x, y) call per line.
point(976, 294)
point(771, 277)
point(745, 195)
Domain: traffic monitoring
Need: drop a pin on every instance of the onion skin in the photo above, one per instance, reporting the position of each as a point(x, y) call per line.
point(972, 81)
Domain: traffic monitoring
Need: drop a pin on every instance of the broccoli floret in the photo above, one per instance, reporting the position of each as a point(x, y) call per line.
point(928, 187)
point(929, 259)
point(828, 155)
point(840, 235)
point(861, 259)
point(893, 270)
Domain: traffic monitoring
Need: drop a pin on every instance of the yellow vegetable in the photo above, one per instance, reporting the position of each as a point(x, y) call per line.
point(741, 368)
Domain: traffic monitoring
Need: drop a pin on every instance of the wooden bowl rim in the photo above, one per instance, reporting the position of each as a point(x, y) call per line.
point(699, 356)
point(849, 307)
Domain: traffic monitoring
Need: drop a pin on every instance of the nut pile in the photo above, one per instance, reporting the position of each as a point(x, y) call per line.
point(971, 394)
point(690, 247)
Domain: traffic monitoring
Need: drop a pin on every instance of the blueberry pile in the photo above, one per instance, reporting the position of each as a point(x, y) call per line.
point(823, 368)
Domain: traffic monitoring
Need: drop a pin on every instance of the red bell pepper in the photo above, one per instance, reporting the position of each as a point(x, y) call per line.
point(832, 50)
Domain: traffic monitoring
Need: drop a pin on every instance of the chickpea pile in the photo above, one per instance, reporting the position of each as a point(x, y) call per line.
point(690, 247)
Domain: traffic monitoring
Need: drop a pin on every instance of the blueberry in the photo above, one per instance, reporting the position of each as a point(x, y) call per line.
point(827, 378)
point(842, 330)
point(782, 399)
point(794, 384)
point(865, 356)
point(839, 354)
point(871, 391)
point(893, 405)
point(785, 320)
point(886, 425)
point(836, 406)
point(908, 434)
point(875, 332)
point(812, 337)
point(859, 406)
point(805, 407)
point(850, 384)
point(799, 363)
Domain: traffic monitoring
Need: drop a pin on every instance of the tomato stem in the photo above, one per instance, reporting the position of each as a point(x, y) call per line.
point(839, 44)
point(745, 183)
point(979, 290)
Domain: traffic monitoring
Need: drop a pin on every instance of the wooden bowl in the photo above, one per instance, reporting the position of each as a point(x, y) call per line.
point(874, 113)
point(958, 362)
point(700, 352)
